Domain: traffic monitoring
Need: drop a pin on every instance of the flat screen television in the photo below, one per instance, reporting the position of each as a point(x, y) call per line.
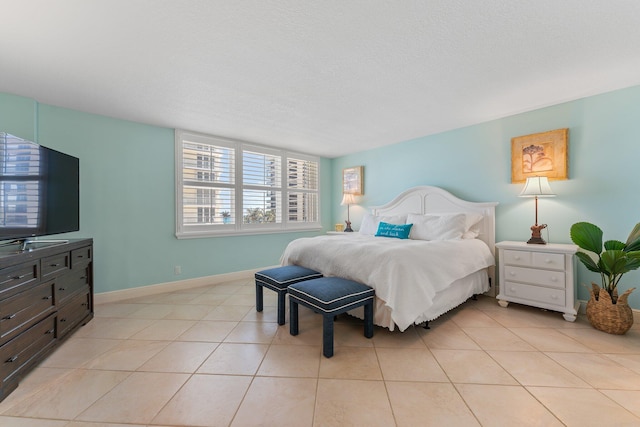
point(39, 190)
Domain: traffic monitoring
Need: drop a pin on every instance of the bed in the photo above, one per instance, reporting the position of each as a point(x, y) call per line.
point(416, 279)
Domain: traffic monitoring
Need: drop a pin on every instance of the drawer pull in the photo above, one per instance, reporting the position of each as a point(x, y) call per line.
point(83, 278)
point(517, 257)
point(80, 256)
point(85, 304)
point(19, 277)
point(9, 317)
point(63, 320)
point(47, 297)
point(62, 289)
point(554, 279)
point(11, 359)
point(49, 332)
point(554, 296)
point(54, 265)
point(512, 273)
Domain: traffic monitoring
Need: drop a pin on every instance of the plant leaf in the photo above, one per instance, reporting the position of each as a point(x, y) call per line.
point(614, 245)
point(614, 262)
point(588, 262)
point(587, 236)
point(633, 241)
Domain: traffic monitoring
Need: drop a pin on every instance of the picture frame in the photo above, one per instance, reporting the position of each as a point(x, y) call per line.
point(352, 180)
point(540, 154)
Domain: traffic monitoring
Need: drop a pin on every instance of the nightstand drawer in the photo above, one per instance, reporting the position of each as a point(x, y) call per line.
point(522, 258)
point(554, 279)
point(548, 261)
point(535, 293)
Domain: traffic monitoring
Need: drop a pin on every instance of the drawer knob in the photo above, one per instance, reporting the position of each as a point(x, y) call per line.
point(554, 297)
point(513, 289)
point(554, 279)
point(11, 359)
point(47, 297)
point(9, 317)
point(548, 261)
point(511, 273)
point(22, 276)
point(517, 257)
point(62, 289)
point(49, 332)
point(54, 265)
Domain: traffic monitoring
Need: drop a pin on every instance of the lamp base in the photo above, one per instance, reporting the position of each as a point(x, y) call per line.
point(348, 229)
point(536, 238)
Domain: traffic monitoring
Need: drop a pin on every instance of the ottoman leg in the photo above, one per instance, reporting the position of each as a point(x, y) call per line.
point(327, 335)
point(293, 317)
point(368, 319)
point(281, 304)
point(259, 297)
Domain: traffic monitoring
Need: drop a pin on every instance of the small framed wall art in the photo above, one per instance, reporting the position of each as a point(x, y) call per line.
point(540, 154)
point(352, 180)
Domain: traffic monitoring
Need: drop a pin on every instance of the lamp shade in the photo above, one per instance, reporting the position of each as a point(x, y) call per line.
point(537, 186)
point(348, 199)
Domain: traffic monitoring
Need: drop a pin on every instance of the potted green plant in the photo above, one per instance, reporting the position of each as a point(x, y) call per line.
point(606, 310)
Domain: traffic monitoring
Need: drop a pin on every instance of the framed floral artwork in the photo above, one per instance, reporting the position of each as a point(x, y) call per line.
point(540, 154)
point(352, 180)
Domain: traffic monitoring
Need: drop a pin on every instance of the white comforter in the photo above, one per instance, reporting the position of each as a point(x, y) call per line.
point(406, 274)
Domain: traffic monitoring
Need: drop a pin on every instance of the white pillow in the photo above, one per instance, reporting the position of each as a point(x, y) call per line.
point(437, 227)
point(472, 225)
point(371, 222)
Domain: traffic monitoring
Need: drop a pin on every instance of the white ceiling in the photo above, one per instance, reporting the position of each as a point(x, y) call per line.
point(328, 77)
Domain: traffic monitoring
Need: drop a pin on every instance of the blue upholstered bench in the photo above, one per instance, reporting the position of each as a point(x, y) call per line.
point(278, 279)
point(330, 296)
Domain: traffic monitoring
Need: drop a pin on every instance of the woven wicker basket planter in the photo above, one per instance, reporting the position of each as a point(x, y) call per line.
point(606, 316)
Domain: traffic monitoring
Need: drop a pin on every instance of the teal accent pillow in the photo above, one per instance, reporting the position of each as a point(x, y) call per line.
point(393, 230)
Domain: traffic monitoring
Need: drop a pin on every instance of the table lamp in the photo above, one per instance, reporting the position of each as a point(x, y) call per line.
point(348, 199)
point(537, 186)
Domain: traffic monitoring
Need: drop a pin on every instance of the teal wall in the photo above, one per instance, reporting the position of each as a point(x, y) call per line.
point(127, 199)
point(474, 163)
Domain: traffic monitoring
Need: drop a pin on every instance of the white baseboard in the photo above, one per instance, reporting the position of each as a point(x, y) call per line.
point(142, 291)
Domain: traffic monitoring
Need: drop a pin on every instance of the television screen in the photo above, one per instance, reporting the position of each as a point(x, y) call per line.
point(39, 190)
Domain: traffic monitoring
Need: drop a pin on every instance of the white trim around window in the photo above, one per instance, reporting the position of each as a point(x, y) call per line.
point(230, 187)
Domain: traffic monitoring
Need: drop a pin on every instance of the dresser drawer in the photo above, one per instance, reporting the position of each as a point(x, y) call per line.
point(22, 351)
point(15, 279)
point(25, 309)
point(73, 312)
point(553, 279)
point(535, 293)
point(67, 285)
point(55, 264)
point(81, 256)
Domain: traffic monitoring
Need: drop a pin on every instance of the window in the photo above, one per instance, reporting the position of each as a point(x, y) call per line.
point(233, 187)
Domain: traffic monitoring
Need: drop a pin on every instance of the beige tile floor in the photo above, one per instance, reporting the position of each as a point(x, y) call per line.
point(204, 357)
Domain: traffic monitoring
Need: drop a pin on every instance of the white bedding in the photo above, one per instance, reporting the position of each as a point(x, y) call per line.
point(406, 274)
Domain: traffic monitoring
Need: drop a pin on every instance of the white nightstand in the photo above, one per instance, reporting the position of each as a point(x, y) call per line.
point(538, 275)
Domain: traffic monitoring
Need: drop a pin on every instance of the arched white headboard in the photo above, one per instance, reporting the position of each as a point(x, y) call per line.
point(427, 199)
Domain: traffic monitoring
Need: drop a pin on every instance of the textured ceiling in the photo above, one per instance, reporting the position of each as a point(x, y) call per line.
point(326, 77)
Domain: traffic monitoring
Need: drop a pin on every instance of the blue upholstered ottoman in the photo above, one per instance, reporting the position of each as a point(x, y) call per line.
point(278, 279)
point(330, 296)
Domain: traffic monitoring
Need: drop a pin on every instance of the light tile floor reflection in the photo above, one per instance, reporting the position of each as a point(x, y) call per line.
point(204, 357)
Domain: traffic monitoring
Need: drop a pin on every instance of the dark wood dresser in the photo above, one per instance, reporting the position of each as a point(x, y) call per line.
point(46, 293)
